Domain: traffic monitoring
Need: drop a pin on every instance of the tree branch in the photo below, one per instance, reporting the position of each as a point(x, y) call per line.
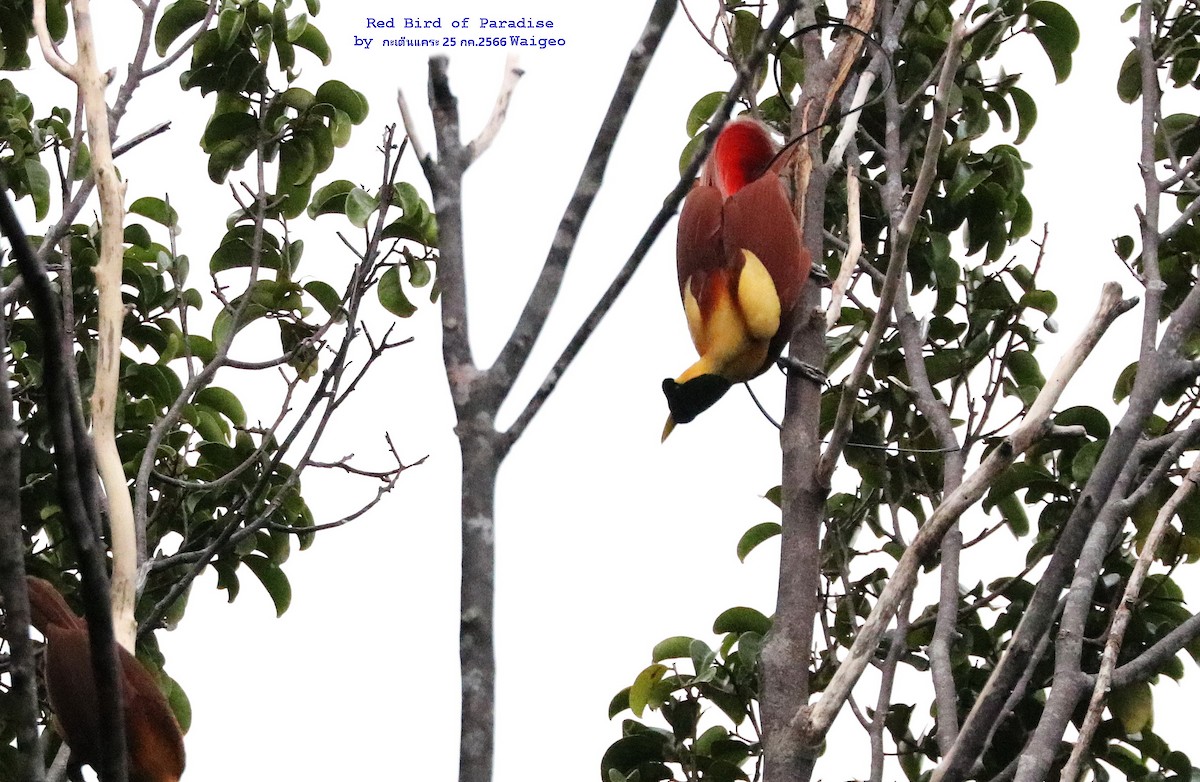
point(78, 492)
point(814, 721)
point(529, 325)
point(1116, 634)
point(512, 74)
point(901, 238)
point(21, 662)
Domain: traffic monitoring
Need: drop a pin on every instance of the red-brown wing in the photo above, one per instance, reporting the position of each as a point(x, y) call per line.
point(759, 218)
point(698, 248)
point(72, 690)
point(155, 740)
point(152, 734)
point(47, 607)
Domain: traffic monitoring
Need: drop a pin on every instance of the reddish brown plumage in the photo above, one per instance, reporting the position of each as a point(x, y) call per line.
point(152, 735)
point(738, 214)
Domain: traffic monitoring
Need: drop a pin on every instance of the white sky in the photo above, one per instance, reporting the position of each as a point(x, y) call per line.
point(607, 541)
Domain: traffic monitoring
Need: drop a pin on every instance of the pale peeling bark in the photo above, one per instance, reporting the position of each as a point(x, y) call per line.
point(91, 82)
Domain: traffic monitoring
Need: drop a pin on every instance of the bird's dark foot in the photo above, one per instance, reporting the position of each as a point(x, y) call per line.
point(820, 276)
point(789, 365)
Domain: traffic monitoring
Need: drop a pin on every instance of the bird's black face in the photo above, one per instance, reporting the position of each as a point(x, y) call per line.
point(690, 399)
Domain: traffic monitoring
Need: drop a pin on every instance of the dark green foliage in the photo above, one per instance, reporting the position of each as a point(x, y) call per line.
point(986, 309)
point(680, 691)
point(220, 483)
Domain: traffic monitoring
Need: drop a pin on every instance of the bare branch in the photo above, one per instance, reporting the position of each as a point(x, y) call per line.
point(853, 250)
point(49, 48)
point(512, 74)
point(850, 121)
point(410, 128)
point(520, 343)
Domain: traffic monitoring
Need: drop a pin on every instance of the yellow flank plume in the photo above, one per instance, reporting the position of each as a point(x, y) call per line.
point(757, 298)
point(733, 335)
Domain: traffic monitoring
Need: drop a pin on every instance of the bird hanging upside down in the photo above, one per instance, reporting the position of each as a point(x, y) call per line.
point(152, 735)
point(742, 266)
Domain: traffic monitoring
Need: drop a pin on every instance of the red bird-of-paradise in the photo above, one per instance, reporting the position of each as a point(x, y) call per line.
point(152, 735)
point(742, 266)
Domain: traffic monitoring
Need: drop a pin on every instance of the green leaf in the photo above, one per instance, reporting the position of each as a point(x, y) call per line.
point(1085, 461)
point(635, 753)
point(702, 111)
point(965, 185)
point(756, 535)
point(329, 299)
point(1054, 15)
point(156, 209)
point(1089, 418)
point(137, 235)
point(418, 273)
point(176, 20)
point(391, 295)
point(741, 619)
point(359, 206)
point(231, 126)
point(1055, 45)
point(643, 687)
point(296, 161)
point(83, 163)
point(210, 428)
point(1129, 79)
point(702, 656)
point(1133, 706)
point(746, 28)
point(1124, 246)
point(1058, 34)
point(313, 40)
point(675, 647)
point(1124, 385)
point(331, 199)
point(689, 152)
point(38, 179)
point(295, 199)
point(229, 24)
point(1018, 476)
point(273, 579)
point(342, 96)
point(1012, 510)
point(178, 700)
point(296, 27)
point(224, 402)
point(1043, 301)
point(236, 252)
point(1026, 112)
point(298, 98)
point(619, 703)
